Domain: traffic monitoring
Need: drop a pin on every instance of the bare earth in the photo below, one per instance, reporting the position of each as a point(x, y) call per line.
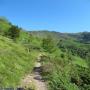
point(35, 80)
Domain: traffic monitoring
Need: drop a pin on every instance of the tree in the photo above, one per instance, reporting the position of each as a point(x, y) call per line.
point(48, 44)
point(13, 32)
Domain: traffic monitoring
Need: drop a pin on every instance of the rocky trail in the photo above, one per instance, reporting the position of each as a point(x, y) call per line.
point(34, 81)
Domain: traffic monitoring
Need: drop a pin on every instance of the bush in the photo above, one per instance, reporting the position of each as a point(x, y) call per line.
point(13, 32)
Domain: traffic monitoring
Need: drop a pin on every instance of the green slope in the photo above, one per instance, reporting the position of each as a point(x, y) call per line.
point(4, 26)
point(15, 62)
point(65, 68)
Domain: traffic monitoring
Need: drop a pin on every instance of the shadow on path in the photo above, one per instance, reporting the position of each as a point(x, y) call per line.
point(35, 78)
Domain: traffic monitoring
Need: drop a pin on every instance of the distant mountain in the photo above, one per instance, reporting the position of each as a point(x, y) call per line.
point(56, 35)
point(83, 37)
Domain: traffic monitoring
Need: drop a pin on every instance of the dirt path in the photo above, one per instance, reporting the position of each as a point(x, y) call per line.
point(34, 80)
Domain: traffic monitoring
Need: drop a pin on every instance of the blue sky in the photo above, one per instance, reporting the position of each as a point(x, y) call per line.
point(53, 15)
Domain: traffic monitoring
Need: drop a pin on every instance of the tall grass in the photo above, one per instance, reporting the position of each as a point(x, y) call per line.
point(15, 62)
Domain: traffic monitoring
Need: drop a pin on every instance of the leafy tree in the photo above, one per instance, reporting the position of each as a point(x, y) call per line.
point(13, 32)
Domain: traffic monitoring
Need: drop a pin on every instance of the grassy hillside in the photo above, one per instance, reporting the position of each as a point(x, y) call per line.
point(15, 62)
point(63, 71)
point(67, 67)
point(4, 26)
point(65, 64)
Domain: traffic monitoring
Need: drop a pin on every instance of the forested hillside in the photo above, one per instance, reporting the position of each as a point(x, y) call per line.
point(65, 62)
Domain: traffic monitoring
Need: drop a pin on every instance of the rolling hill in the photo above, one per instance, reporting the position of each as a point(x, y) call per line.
point(65, 63)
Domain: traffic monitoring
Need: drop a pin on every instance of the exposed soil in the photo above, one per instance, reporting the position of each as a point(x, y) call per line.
point(34, 80)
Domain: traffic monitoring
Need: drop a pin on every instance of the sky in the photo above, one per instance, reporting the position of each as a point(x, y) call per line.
point(54, 15)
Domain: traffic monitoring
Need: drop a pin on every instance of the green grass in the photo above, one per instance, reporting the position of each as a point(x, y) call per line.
point(80, 62)
point(15, 62)
point(4, 26)
point(59, 67)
